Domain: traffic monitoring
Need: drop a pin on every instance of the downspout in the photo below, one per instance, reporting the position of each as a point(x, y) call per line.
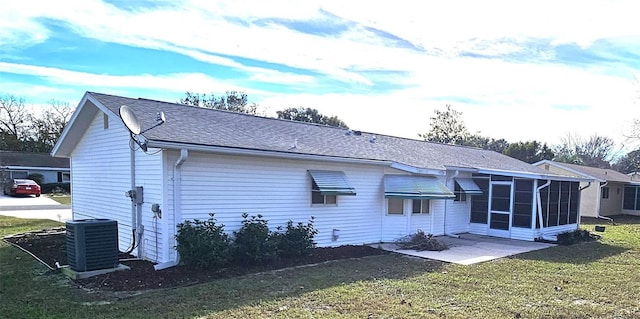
point(579, 204)
point(599, 202)
point(444, 224)
point(177, 203)
point(539, 206)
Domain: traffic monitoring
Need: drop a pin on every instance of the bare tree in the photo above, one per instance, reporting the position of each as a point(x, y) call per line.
point(596, 151)
point(47, 128)
point(14, 120)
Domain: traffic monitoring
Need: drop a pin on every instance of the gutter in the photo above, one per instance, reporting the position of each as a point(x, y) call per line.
point(177, 204)
point(599, 201)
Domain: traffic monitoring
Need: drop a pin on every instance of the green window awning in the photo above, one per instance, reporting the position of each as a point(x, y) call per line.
point(468, 186)
point(415, 187)
point(332, 182)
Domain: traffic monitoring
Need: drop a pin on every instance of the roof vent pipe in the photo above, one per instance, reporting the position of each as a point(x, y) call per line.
point(373, 139)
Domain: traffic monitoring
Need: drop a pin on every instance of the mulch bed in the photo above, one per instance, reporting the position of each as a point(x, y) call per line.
point(50, 247)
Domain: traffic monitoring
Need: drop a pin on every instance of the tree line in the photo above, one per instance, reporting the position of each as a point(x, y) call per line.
point(22, 129)
point(447, 126)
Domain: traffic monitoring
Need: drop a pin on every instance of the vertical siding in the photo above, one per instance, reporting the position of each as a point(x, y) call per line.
point(100, 171)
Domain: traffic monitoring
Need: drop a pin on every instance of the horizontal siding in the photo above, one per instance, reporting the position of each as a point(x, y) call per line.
point(100, 174)
point(523, 233)
point(280, 190)
point(149, 176)
point(479, 229)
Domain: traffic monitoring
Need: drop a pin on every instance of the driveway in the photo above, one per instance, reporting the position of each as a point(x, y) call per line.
point(34, 207)
point(469, 249)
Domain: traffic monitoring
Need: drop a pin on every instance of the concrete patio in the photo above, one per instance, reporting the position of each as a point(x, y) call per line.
point(469, 249)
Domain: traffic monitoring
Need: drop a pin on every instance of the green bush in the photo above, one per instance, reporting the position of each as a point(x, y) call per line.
point(420, 241)
point(253, 243)
point(49, 188)
point(296, 241)
point(38, 178)
point(576, 236)
point(203, 244)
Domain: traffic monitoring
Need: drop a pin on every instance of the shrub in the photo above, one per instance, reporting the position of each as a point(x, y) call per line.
point(253, 242)
point(296, 241)
point(203, 244)
point(38, 178)
point(576, 236)
point(420, 241)
point(49, 188)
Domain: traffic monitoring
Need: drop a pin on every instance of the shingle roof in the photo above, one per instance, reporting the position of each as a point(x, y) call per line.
point(201, 126)
point(604, 174)
point(25, 159)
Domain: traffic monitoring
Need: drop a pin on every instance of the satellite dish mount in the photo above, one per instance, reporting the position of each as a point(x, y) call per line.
point(132, 123)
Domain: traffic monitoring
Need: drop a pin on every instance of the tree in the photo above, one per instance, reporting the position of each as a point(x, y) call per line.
point(486, 143)
point(310, 115)
point(530, 151)
point(595, 151)
point(447, 127)
point(14, 120)
point(47, 128)
point(629, 163)
point(233, 101)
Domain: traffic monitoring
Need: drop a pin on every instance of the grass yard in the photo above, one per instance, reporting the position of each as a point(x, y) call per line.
point(599, 279)
point(62, 199)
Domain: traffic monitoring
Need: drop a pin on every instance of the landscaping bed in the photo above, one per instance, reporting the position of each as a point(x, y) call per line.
point(50, 247)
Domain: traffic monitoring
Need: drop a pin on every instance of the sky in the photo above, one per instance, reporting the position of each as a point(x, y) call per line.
point(518, 70)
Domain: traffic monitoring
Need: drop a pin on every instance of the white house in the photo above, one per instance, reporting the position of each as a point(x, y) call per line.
point(360, 187)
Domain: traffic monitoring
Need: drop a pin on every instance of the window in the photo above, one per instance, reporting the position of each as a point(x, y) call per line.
point(420, 206)
point(631, 199)
point(64, 177)
point(461, 196)
point(318, 198)
point(480, 203)
point(19, 174)
point(559, 203)
point(395, 206)
point(605, 192)
point(523, 203)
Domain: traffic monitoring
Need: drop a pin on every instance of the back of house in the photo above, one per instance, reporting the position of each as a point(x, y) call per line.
point(360, 187)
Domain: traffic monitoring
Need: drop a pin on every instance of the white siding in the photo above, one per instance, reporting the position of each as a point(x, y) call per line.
point(457, 213)
point(479, 229)
point(149, 176)
point(523, 233)
point(280, 190)
point(100, 172)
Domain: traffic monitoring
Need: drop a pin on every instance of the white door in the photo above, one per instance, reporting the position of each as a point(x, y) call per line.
point(500, 211)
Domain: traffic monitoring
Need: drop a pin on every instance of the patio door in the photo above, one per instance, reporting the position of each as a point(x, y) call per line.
point(500, 210)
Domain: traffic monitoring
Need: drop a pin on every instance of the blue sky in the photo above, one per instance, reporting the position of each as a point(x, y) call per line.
point(516, 70)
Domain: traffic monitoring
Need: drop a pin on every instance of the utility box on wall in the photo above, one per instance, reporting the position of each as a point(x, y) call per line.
point(92, 244)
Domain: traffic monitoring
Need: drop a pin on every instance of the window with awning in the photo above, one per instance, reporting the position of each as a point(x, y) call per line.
point(415, 187)
point(325, 185)
point(468, 186)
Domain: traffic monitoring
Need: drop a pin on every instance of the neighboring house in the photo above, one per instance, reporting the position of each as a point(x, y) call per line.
point(360, 187)
point(23, 164)
point(612, 193)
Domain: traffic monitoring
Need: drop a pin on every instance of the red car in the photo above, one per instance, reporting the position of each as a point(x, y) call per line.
point(22, 187)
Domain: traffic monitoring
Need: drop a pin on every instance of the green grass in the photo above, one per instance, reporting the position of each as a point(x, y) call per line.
point(598, 279)
point(62, 199)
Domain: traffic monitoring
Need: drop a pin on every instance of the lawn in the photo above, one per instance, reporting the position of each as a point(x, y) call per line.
point(598, 279)
point(62, 199)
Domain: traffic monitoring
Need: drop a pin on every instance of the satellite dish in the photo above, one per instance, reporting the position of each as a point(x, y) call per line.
point(129, 119)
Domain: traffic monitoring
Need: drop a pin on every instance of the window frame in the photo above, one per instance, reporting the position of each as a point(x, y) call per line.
point(388, 211)
point(461, 196)
point(605, 192)
point(327, 200)
point(424, 203)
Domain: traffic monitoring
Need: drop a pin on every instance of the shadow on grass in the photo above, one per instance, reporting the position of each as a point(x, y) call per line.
point(582, 253)
point(323, 281)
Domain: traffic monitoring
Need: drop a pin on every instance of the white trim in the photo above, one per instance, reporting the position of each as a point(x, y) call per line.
point(417, 170)
point(533, 175)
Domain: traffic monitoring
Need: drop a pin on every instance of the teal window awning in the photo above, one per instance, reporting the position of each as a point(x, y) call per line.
point(415, 187)
point(468, 186)
point(332, 182)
